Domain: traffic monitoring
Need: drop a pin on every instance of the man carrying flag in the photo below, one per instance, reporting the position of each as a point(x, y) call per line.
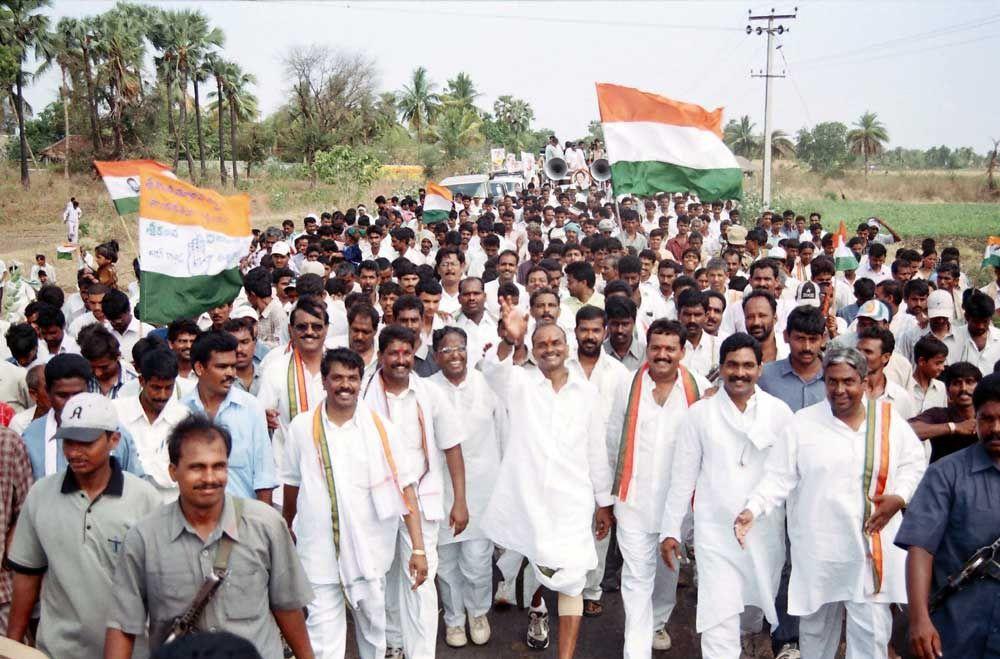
point(437, 204)
point(846, 467)
point(644, 422)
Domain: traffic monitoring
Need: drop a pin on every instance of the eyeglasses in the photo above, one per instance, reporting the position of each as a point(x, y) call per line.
point(451, 350)
point(302, 328)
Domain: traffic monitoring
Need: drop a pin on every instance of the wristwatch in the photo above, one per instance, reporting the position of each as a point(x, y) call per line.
point(951, 427)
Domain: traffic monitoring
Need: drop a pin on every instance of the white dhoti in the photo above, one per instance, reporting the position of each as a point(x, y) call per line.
point(649, 590)
point(722, 641)
point(412, 615)
point(592, 590)
point(465, 577)
point(327, 622)
point(869, 627)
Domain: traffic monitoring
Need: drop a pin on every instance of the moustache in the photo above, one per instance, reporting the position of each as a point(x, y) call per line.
point(740, 379)
point(344, 391)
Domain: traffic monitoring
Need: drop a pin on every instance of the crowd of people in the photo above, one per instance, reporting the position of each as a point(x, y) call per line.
point(584, 393)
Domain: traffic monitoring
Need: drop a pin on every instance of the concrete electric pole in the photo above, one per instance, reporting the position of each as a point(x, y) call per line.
point(770, 30)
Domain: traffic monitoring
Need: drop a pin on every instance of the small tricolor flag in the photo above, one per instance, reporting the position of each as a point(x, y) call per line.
point(121, 177)
point(843, 257)
point(656, 144)
point(190, 245)
point(437, 203)
point(991, 259)
point(65, 252)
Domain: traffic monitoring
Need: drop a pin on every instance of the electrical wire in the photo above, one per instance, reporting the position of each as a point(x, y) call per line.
point(864, 56)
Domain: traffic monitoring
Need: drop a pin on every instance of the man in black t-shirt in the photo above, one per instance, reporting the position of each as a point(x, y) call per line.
point(951, 428)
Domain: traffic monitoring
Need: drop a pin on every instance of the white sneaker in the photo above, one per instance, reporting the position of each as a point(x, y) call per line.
point(506, 594)
point(538, 630)
point(394, 653)
point(479, 630)
point(789, 651)
point(454, 637)
point(661, 639)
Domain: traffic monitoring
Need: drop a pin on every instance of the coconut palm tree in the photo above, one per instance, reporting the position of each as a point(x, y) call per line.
point(456, 129)
point(781, 145)
point(119, 42)
point(868, 137)
point(23, 27)
point(417, 102)
point(64, 52)
point(242, 105)
point(741, 139)
point(461, 91)
point(218, 68)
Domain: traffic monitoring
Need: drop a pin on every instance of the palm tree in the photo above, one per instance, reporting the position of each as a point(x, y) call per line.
point(457, 128)
point(242, 105)
point(868, 138)
point(781, 145)
point(418, 103)
point(461, 90)
point(23, 28)
point(119, 36)
point(64, 51)
point(515, 115)
point(741, 139)
point(218, 69)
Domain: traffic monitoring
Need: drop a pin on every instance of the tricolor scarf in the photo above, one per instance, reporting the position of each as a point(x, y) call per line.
point(876, 472)
point(298, 394)
point(381, 404)
point(626, 445)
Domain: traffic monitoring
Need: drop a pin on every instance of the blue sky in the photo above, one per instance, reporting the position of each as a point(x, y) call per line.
point(924, 67)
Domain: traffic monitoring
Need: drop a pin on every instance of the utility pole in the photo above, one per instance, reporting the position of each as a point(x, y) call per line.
point(771, 30)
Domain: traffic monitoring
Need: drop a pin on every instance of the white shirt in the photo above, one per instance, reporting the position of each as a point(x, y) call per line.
point(936, 394)
point(13, 387)
point(51, 444)
point(151, 439)
point(353, 448)
point(492, 289)
point(817, 464)
point(719, 457)
point(656, 434)
point(965, 349)
point(484, 421)
point(479, 336)
point(439, 430)
point(136, 330)
point(554, 470)
point(22, 420)
point(703, 358)
point(82, 321)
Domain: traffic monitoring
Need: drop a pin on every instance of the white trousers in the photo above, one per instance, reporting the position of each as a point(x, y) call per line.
point(723, 640)
point(509, 564)
point(412, 615)
point(327, 623)
point(649, 590)
point(592, 591)
point(72, 232)
point(465, 579)
point(869, 627)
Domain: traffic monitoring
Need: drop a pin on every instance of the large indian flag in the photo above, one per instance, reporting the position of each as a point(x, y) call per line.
point(190, 245)
point(437, 203)
point(843, 257)
point(656, 144)
point(991, 259)
point(121, 177)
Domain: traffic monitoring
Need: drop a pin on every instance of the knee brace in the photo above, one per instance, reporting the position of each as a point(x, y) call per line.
point(570, 605)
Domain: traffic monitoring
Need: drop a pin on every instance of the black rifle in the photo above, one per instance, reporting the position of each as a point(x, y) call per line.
point(984, 563)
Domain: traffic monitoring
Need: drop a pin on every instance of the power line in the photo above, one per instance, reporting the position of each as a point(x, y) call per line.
point(866, 58)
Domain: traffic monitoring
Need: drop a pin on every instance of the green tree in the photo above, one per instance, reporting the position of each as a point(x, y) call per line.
point(417, 102)
point(120, 43)
point(218, 68)
point(24, 28)
point(242, 105)
point(512, 121)
point(868, 138)
point(456, 129)
point(461, 91)
point(741, 139)
point(824, 148)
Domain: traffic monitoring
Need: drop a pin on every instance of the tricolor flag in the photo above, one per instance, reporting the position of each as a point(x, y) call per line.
point(843, 257)
point(121, 177)
point(991, 259)
point(437, 203)
point(656, 144)
point(65, 252)
point(190, 245)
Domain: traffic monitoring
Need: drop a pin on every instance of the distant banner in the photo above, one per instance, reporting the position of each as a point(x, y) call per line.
point(497, 157)
point(191, 242)
point(528, 163)
point(511, 163)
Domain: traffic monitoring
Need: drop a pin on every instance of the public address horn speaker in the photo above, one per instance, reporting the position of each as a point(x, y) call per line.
point(600, 170)
point(556, 168)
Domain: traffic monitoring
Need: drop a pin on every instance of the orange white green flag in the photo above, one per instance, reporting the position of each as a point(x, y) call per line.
point(843, 257)
point(191, 242)
point(991, 259)
point(657, 144)
point(121, 178)
point(437, 203)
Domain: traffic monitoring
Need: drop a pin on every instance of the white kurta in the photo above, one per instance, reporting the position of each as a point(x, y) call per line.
point(657, 428)
point(554, 470)
point(818, 464)
point(720, 456)
point(483, 420)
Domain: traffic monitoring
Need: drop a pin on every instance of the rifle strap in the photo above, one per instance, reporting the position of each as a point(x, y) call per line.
point(225, 549)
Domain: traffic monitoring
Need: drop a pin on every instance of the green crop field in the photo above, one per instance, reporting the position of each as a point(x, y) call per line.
point(966, 220)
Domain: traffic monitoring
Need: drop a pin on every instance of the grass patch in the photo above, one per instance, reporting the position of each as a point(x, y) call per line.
point(968, 220)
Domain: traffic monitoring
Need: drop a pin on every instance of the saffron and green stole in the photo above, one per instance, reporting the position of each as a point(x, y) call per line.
point(626, 445)
point(298, 395)
point(876, 472)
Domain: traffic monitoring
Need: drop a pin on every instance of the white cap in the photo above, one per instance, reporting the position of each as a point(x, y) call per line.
point(244, 311)
point(940, 304)
point(280, 247)
point(777, 252)
point(606, 225)
point(312, 268)
point(86, 417)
